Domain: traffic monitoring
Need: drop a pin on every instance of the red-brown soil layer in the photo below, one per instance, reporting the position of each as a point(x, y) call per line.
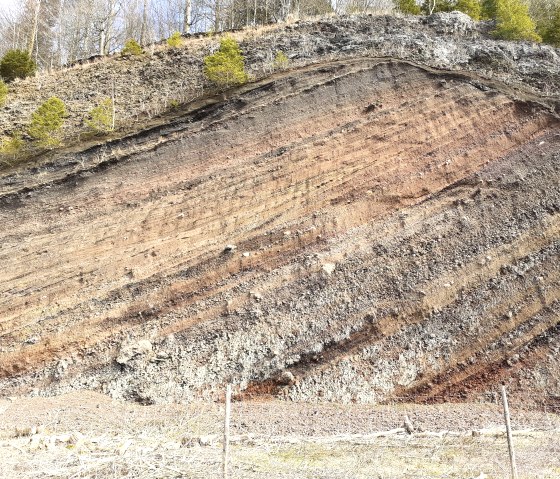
point(396, 233)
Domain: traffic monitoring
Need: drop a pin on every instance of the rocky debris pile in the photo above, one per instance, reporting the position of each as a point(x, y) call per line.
point(454, 23)
point(134, 350)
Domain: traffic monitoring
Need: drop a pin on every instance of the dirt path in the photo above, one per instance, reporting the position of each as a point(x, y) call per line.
point(98, 413)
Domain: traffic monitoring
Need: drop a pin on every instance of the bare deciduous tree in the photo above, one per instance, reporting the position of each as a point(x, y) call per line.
point(58, 32)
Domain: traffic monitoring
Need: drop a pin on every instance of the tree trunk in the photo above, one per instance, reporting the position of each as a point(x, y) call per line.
point(187, 20)
point(144, 25)
point(217, 15)
point(35, 28)
point(102, 42)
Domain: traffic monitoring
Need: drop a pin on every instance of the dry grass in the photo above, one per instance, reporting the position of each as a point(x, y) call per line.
point(89, 436)
point(156, 453)
point(402, 456)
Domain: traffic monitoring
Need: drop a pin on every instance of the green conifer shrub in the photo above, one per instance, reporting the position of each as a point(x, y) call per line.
point(3, 93)
point(489, 9)
point(226, 67)
point(472, 8)
point(16, 64)
point(100, 118)
point(408, 7)
point(552, 32)
point(11, 147)
point(175, 40)
point(131, 47)
point(281, 61)
point(46, 123)
point(514, 22)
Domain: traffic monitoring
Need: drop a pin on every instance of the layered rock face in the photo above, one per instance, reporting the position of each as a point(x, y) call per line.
point(359, 230)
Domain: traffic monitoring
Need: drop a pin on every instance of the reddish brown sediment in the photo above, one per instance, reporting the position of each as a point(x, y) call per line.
point(396, 233)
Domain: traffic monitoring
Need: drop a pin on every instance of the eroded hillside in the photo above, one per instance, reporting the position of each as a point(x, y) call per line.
point(355, 230)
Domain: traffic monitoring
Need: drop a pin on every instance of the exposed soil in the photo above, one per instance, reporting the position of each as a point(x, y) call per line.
point(99, 413)
point(359, 230)
point(390, 222)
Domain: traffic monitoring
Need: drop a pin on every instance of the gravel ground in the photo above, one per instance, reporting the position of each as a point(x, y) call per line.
point(98, 414)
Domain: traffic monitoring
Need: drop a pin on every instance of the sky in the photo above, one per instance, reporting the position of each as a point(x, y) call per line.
point(7, 5)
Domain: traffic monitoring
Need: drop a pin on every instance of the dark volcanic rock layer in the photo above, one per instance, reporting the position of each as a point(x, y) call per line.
point(396, 234)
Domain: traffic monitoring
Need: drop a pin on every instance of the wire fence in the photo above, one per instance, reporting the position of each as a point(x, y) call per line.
point(85, 437)
point(400, 439)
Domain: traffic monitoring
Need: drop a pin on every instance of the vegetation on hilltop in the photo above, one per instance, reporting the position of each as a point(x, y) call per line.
point(512, 17)
point(54, 36)
point(551, 29)
point(175, 40)
point(226, 67)
point(16, 64)
point(409, 7)
point(132, 47)
point(513, 21)
point(473, 8)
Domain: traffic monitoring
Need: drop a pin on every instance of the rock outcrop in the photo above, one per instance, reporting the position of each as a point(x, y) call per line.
point(359, 229)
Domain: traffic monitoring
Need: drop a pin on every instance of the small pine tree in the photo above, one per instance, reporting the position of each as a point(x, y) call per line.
point(281, 61)
point(472, 8)
point(408, 7)
point(101, 117)
point(552, 33)
point(16, 64)
point(514, 22)
point(226, 67)
point(489, 9)
point(3, 93)
point(132, 47)
point(46, 123)
point(11, 146)
point(445, 6)
point(175, 40)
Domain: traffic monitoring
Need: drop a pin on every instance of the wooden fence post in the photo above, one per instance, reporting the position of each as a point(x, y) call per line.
point(509, 439)
point(226, 433)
